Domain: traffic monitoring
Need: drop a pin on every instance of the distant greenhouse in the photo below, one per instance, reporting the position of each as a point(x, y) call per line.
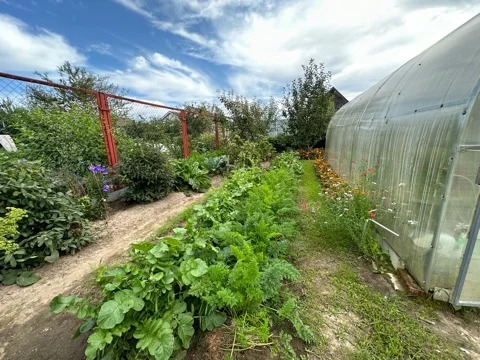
point(421, 127)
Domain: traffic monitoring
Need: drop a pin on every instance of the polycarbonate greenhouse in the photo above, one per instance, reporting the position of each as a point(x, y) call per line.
point(421, 127)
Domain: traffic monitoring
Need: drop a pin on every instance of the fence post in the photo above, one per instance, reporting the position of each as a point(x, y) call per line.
point(217, 142)
point(183, 119)
point(107, 128)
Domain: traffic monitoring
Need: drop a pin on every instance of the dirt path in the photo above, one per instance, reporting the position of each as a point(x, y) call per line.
point(27, 330)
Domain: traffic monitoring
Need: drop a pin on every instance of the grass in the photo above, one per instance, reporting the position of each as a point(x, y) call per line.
point(351, 319)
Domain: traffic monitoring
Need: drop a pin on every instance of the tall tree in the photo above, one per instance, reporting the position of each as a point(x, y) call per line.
point(308, 105)
point(74, 76)
point(249, 119)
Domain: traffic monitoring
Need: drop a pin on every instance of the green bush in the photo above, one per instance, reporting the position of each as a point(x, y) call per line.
point(62, 140)
point(244, 153)
point(203, 143)
point(282, 142)
point(190, 175)
point(146, 171)
point(54, 222)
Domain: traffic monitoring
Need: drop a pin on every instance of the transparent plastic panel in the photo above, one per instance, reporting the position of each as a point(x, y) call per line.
point(456, 221)
point(471, 286)
point(403, 134)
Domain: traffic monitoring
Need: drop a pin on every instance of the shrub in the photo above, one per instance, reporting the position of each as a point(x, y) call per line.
point(243, 153)
point(203, 143)
point(282, 142)
point(145, 170)
point(189, 175)
point(54, 221)
point(62, 140)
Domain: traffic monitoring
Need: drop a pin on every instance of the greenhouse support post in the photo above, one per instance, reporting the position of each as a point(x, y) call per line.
point(217, 141)
point(107, 128)
point(183, 119)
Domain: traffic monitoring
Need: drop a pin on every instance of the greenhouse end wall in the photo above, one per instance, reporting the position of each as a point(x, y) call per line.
point(411, 127)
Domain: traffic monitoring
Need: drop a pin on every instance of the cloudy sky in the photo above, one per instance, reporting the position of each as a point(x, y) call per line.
point(186, 50)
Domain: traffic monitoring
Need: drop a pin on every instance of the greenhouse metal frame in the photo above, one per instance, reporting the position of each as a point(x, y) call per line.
point(418, 133)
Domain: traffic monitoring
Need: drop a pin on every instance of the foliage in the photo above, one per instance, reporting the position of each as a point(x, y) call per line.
point(54, 221)
point(244, 153)
point(216, 164)
point(310, 154)
point(289, 160)
point(282, 142)
point(9, 229)
point(189, 175)
point(69, 141)
point(78, 77)
point(249, 119)
point(203, 143)
point(309, 105)
point(96, 188)
point(200, 119)
point(227, 260)
point(348, 209)
point(146, 171)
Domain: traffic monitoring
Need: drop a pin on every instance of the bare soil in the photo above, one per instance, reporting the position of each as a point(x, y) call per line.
point(27, 330)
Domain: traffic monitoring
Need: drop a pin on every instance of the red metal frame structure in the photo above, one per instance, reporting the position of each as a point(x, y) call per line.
point(105, 118)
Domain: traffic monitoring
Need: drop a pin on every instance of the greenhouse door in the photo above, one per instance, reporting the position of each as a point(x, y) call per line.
point(467, 287)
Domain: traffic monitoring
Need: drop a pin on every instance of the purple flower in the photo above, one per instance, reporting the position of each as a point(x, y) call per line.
point(106, 188)
point(98, 169)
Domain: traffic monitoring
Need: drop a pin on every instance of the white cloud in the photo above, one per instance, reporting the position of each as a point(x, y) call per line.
point(140, 7)
point(159, 77)
point(267, 41)
point(23, 50)
point(101, 48)
point(360, 42)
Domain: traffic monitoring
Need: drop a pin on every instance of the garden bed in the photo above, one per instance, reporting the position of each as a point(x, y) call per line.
point(27, 331)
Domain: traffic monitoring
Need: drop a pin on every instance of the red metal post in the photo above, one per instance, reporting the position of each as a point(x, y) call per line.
point(217, 142)
point(107, 128)
point(183, 119)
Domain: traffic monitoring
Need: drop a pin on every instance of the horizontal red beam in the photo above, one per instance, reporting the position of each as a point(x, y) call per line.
point(48, 83)
point(94, 92)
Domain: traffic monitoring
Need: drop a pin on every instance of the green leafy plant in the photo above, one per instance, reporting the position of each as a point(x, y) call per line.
point(203, 143)
point(189, 175)
point(216, 164)
point(145, 170)
point(9, 229)
point(282, 142)
point(54, 221)
point(225, 262)
point(64, 140)
point(96, 188)
point(244, 153)
point(289, 159)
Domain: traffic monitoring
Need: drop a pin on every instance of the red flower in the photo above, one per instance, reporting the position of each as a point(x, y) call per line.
point(371, 170)
point(372, 214)
point(364, 173)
